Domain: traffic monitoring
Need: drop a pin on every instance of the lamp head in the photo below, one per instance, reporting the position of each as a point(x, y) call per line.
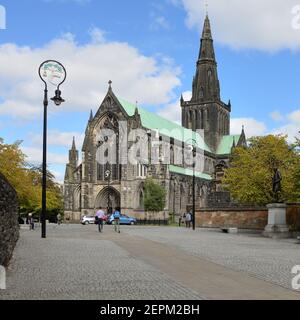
point(58, 100)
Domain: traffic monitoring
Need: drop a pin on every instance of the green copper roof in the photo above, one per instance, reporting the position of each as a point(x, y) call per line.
point(227, 143)
point(189, 172)
point(171, 129)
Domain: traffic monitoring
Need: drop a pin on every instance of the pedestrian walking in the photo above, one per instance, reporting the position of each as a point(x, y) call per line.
point(100, 215)
point(117, 216)
point(58, 217)
point(30, 221)
point(181, 218)
point(188, 219)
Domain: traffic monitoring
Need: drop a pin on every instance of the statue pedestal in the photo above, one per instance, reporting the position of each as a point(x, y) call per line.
point(277, 227)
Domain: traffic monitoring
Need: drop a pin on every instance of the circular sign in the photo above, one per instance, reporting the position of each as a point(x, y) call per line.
point(52, 72)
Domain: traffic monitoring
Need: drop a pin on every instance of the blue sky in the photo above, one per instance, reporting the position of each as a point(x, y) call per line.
point(148, 49)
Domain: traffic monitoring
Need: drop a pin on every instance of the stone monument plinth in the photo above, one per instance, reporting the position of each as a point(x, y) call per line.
point(277, 227)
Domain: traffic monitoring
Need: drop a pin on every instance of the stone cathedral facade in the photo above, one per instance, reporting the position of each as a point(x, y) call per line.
point(86, 185)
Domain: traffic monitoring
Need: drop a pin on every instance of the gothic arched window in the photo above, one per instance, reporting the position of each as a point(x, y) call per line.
point(191, 119)
point(201, 93)
point(141, 199)
point(172, 155)
point(110, 122)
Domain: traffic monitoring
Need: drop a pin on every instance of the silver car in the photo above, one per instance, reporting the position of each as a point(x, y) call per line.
point(88, 220)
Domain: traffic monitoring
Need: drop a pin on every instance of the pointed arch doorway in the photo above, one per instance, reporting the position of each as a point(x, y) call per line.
point(109, 199)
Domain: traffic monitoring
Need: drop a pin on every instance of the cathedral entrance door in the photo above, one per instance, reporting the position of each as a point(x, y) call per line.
point(109, 199)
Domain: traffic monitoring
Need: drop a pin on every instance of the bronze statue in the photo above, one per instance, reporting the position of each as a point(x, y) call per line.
point(277, 178)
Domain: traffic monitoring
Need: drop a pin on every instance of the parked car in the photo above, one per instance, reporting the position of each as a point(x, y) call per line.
point(88, 220)
point(124, 219)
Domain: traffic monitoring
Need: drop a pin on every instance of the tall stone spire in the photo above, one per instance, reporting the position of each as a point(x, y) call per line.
point(91, 116)
point(206, 111)
point(73, 144)
point(73, 154)
point(206, 85)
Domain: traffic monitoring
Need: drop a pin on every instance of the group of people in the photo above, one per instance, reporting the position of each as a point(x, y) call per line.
point(31, 223)
point(100, 218)
point(187, 218)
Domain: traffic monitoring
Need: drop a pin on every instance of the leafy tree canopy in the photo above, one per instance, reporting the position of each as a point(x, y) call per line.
point(26, 179)
point(155, 196)
point(249, 177)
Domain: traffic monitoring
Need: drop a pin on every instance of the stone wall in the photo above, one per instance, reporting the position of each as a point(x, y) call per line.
point(244, 218)
point(293, 216)
point(9, 226)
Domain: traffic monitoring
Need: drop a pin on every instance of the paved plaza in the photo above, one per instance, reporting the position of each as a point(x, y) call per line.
point(76, 262)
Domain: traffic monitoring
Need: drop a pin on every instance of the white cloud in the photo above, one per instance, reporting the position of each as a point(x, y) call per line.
point(57, 138)
point(292, 126)
point(34, 155)
point(97, 35)
point(173, 110)
point(266, 25)
point(252, 127)
point(135, 77)
point(59, 176)
point(276, 116)
point(160, 22)
point(291, 130)
point(294, 117)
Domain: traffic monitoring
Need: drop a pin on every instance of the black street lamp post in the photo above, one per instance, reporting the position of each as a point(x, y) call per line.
point(194, 182)
point(107, 175)
point(174, 194)
point(194, 150)
point(52, 72)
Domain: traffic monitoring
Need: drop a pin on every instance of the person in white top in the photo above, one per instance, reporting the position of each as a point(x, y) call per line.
point(188, 219)
point(100, 216)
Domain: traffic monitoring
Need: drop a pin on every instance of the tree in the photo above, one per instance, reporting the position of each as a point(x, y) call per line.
point(13, 167)
point(155, 196)
point(54, 194)
point(249, 176)
point(297, 171)
point(27, 179)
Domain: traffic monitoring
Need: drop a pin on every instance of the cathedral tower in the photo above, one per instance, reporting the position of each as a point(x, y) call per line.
point(73, 155)
point(205, 110)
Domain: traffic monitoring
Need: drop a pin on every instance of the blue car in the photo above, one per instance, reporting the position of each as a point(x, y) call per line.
point(123, 220)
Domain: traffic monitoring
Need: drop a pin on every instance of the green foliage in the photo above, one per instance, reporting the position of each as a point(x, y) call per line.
point(27, 180)
point(249, 178)
point(155, 196)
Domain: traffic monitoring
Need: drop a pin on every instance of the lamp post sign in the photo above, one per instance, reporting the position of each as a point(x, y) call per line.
point(54, 73)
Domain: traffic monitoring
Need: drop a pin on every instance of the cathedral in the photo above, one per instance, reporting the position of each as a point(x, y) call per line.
point(205, 123)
